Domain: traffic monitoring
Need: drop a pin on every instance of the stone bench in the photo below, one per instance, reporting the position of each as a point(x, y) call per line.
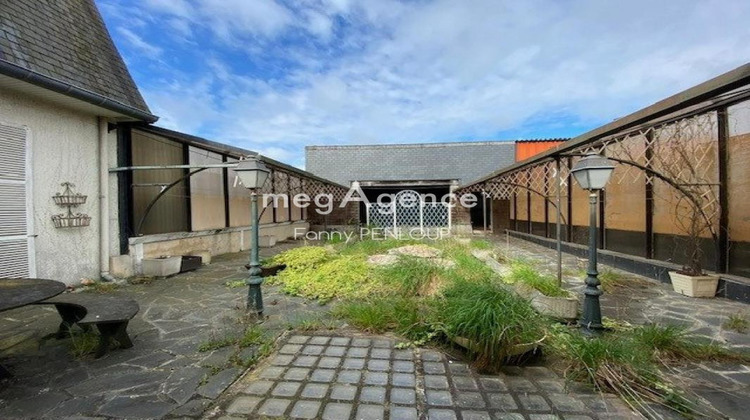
point(110, 314)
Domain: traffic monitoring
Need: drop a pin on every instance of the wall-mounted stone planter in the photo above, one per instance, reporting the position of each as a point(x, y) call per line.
point(161, 267)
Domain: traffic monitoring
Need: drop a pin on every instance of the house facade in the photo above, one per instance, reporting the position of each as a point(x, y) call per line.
point(73, 124)
point(62, 85)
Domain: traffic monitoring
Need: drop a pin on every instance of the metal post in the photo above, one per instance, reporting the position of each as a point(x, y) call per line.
point(591, 321)
point(254, 294)
point(557, 223)
point(484, 210)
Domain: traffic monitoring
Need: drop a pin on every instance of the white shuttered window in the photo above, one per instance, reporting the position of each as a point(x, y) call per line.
point(14, 237)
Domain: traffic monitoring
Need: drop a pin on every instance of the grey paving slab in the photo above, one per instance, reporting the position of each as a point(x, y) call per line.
point(337, 411)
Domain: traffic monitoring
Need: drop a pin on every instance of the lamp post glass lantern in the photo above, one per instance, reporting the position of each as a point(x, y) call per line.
point(592, 173)
point(253, 174)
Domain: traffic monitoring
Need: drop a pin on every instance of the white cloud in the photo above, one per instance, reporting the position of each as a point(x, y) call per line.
point(139, 44)
point(442, 70)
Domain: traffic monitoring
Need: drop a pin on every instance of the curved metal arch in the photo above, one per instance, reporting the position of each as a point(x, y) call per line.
point(667, 180)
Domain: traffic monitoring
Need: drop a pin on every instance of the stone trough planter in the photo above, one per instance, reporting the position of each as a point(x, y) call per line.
point(162, 266)
point(556, 307)
point(694, 286)
point(565, 308)
point(512, 351)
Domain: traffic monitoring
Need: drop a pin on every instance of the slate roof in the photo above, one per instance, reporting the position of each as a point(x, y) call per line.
point(463, 161)
point(66, 40)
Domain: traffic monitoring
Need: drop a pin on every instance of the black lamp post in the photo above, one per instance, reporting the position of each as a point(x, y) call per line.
point(592, 173)
point(253, 174)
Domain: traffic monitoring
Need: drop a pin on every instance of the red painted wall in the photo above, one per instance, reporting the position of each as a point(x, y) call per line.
point(525, 150)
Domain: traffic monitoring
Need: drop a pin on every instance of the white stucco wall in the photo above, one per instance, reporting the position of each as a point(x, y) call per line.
point(64, 147)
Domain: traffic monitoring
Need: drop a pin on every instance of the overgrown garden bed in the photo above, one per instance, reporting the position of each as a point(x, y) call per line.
point(426, 300)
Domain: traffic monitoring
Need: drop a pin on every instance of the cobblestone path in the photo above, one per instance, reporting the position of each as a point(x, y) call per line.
point(337, 377)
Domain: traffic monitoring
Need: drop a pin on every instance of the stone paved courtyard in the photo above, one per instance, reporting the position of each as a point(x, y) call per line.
point(341, 377)
point(164, 374)
point(340, 374)
point(726, 385)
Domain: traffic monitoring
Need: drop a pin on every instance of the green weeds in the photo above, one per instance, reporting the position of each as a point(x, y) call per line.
point(629, 364)
point(83, 343)
point(736, 322)
point(525, 273)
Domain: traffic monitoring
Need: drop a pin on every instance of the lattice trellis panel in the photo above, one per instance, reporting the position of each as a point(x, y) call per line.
point(408, 208)
point(380, 215)
point(434, 214)
point(281, 185)
point(295, 185)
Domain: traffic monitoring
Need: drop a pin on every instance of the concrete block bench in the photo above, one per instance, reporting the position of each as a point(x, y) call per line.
point(110, 314)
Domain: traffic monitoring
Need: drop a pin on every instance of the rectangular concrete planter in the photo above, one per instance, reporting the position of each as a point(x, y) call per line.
point(694, 286)
point(204, 254)
point(556, 307)
point(266, 241)
point(161, 267)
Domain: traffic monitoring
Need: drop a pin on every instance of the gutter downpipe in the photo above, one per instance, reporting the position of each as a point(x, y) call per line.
point(104, 199)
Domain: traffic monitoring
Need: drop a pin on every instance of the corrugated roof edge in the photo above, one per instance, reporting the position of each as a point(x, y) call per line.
point(67, 89)
point(720, 84)
point(226, 149)
point(422, 145)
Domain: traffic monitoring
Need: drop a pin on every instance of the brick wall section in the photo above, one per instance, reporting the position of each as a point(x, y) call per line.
point(349, 215)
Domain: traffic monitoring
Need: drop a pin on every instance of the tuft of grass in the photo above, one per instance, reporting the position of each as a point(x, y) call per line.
point(83, 343)
point(629, 364)
point(481, 244)
point(216, 343)
point(234, 284)
point(492, 318)
point(314, 324)
point(411, 276)
point(525, 273)
point(410, 317)
point(253, 336)
point(101, 287)
point(736, 322)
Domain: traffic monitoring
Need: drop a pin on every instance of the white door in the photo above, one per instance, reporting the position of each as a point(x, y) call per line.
point(16, 246)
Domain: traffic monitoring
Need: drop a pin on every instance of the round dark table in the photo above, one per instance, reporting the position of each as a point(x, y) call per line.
point(15, 293)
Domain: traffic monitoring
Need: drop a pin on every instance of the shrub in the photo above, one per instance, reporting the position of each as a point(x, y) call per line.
point(344, 276)
point(306, 257)
point(372, 247)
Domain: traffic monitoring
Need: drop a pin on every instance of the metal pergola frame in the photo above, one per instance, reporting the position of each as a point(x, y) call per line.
point(711, 98)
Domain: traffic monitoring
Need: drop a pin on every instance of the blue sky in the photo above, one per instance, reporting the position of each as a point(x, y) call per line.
point(275, 76)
